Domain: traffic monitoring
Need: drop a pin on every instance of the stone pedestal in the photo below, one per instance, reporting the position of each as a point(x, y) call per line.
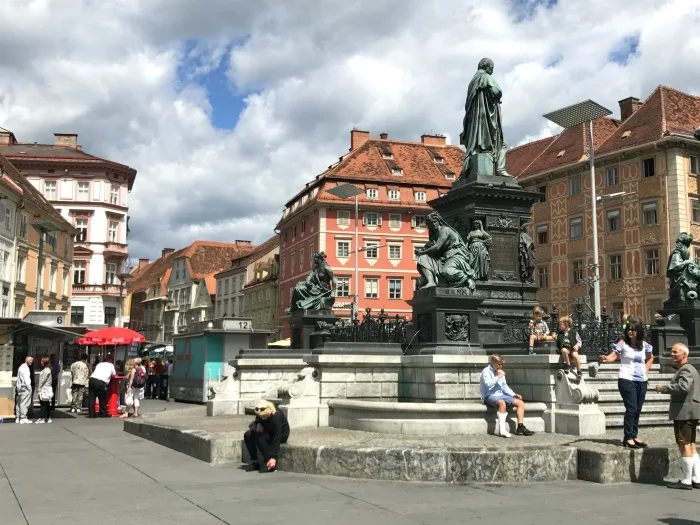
point(446, 322)
point(503, 207)
point(304, 331)
point(576, 411)
point(481, 168)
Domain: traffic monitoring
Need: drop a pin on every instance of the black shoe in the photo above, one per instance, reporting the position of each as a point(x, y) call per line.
point(696, 485)
point(522, 431)
point(640, 444)
point(679, 485)
point(627, 444)
point(579, 374)
point(566, 368)
point(253, 467)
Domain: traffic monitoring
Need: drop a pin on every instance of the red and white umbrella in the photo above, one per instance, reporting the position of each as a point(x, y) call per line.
point(111, 336)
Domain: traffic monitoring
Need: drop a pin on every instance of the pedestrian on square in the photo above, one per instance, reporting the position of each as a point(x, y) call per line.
point(97, 386)
point(55, 377)
point(79, 375)
point(684, 410)
point(45, 390)
point(269, 430)
point(23, 387)
point(636, 358)
point(136, 381)
point(496, 393)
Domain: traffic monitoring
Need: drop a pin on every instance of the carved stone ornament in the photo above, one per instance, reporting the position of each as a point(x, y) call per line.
point(501, 222)
point(457, 327)
point(571, 393)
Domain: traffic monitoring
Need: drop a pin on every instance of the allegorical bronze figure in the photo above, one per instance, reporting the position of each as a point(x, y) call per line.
point(526, 256)
point(683, 274)
point(316, 291)
point(479, 243)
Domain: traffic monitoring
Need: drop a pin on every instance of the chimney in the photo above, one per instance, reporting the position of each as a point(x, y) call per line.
point(383, 136)
point(628, 107)
point(143, 262)
point(167, 251)
point(66, 140)
point(433, 140)
point(243, 244)
point(358, 138)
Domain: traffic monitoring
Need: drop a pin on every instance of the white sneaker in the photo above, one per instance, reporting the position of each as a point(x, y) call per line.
point(39, 421)
point(25, 421)
point(78, 410)
point(72, 410)
point(49, 421)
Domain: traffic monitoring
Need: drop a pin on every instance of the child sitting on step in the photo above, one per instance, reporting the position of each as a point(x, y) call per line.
point(569, 344)
point(539, 331)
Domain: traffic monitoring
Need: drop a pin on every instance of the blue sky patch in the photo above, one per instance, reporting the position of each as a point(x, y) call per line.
point(523, 10)
point(625, 49)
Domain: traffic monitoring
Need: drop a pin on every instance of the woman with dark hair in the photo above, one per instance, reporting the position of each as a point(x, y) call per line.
point(636, 358)
point(45, 389)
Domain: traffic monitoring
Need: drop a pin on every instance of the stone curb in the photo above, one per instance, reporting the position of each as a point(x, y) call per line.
point(477, 465)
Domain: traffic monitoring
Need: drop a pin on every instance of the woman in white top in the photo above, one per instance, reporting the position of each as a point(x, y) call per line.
point(636, 358)
point(45, 390)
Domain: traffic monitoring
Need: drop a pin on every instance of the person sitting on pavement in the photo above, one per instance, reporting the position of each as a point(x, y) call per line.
point(569, 344)
point(539, 330)
point(269, 430)
point(496, 393)
point(684, 410)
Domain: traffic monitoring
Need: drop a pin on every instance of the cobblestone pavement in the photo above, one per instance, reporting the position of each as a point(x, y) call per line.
point(194, 418)
point(80, 471)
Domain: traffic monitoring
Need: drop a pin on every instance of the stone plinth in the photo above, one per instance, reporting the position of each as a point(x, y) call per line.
point(304, 323)
point(576, 411)
point(481, 168)
point(446, 322)
point(441, 378)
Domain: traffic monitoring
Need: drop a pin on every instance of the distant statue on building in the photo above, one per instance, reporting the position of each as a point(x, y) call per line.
point(479, 243)
point(526, 256)
point(316, 291)
point(482, 132)
point(444, 260)
point(683, 274)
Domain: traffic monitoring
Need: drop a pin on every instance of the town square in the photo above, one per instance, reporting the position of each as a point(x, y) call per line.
point(397, 262)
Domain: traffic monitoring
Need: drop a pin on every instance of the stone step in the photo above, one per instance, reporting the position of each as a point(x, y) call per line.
point(644, 421)
point(649, 408)
point(614, 397)
point(612, 376)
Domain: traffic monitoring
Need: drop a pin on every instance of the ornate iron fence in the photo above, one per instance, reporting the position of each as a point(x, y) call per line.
point(372, 329)
point(597, 336)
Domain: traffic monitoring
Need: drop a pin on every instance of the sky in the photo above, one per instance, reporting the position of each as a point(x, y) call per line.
point(227, 107)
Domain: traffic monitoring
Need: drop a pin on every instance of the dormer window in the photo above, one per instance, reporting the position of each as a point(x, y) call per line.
point(387, 155)
point(396, 171)
point(393, 195)
point(450, 176)
point(372, 193)
point(420, 196)
point(439, 160)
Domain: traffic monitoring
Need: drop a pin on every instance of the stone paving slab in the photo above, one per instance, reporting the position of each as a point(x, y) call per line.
point(461, 458)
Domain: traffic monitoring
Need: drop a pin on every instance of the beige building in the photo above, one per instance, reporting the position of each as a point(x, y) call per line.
point(261, 296)
point(647, 174)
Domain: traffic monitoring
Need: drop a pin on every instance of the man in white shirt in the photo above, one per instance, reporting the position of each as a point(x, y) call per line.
point(97, 386)
point(23, 387)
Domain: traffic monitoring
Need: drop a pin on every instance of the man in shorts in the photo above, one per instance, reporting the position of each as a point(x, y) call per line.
point(496, 393)
point(684, 410)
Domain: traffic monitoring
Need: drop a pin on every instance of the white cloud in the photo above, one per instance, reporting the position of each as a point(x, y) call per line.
point(125, 75)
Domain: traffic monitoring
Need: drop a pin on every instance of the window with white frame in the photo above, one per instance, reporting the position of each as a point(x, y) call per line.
point(23, 226)
point(695, 205)
point(343, 248)
point(21, 260)
point(649, 213)
point(613, 221)
point(395, 220)
point(394, 195)
point(66, 283)
point(111, 273)
point(226, 281)
point(694, 165)
point(343, 218)
point(50, 190)
point(396, 171)
point(418, 221)
point(395, 288)
point(421, 196)
point(576, 272)
point(8, 219)
point(615, 265)
point(83, 191)
point(114, 194)
point(371, 288)
point(79, 272)
point(542, 233)
point(372, 193)
point(301, 257)
point(575, 185)
point(395, 252)
point(342, 286)
point(81, 225)
point(371, 219)
point(651, 261)
point(543, 275)
point(312, 250)
point(611, 176)
point(371, 249)
point(576, 227)
point(113, 231)
point(52, 279)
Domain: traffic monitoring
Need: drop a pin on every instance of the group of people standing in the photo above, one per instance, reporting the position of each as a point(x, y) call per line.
point(46, 389)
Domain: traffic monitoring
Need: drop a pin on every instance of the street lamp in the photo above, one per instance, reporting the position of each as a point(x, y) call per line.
point(347, 191)
point(123, 276)
point(42, 227)
point(568, 117)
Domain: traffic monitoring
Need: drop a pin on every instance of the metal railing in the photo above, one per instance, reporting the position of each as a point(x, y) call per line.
point(372, 329)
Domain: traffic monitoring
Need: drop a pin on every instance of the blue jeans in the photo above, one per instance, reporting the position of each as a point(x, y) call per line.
point(633, 394)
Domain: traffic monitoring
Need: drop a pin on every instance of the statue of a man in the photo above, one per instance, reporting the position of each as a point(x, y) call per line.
point(444, 260)
point(483, 127)
point(526, 256)
point(316, 291)
point(683, 274)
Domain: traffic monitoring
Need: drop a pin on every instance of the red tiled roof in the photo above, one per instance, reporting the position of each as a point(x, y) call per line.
point(153, 273)
point(520, 157)
point(665, 112)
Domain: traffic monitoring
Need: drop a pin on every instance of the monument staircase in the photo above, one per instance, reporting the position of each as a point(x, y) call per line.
point(655, 410)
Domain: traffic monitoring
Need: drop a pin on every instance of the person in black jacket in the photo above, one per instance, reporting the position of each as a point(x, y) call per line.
point(569, 345)
point(269, 430)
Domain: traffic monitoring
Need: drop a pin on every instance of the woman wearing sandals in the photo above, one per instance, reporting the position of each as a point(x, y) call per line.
point(636, 359)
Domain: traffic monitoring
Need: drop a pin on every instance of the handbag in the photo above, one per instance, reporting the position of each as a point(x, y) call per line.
point(45, 394)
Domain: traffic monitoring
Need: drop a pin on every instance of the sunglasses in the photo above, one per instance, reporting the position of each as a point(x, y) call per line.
point(259, 409)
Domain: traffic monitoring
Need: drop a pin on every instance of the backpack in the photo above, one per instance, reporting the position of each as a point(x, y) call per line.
point(139, 378)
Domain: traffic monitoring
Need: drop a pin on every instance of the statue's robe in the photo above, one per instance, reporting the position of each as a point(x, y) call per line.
point(482, 126)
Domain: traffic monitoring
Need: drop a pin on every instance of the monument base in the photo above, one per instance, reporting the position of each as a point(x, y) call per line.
point(304, 323)
point(446, 321)
point(481, 168)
